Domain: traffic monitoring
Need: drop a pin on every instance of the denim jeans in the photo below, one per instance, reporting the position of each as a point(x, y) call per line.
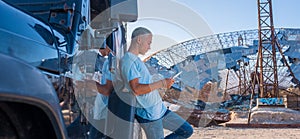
point(180, 128)
point(97, 130)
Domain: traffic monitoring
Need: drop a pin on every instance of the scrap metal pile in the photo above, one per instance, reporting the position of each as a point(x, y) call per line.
point(225, 61)
point(199, 112)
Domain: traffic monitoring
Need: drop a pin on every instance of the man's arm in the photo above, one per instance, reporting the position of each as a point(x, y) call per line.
point(140, 89)
point(104, 89)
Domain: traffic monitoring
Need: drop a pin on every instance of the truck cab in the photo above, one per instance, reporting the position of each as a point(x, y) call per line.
point(35, 55)
point(38, 40)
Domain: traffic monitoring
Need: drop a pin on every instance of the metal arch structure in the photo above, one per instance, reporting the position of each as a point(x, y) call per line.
point(180, 52)
point(245, 42)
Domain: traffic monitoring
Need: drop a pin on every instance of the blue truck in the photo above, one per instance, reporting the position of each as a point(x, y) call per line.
point(38, 40)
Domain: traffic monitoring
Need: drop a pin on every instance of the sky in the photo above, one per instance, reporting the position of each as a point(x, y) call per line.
point(234, 15)
point(176, 21)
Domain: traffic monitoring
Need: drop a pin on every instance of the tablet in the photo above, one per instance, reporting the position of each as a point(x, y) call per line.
point(176, 75)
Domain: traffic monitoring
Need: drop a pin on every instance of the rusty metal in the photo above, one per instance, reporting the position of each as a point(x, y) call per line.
point(225, 90)
point(242, 75)
point(267, 50)
point(286, 63)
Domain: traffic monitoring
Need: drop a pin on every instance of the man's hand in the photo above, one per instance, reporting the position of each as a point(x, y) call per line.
point(168, 82)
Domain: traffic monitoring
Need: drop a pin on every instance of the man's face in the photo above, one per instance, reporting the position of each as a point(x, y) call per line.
point(145, 42)
point(105, 51)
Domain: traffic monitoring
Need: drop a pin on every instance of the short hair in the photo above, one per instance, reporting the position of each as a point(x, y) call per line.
point(140, 31)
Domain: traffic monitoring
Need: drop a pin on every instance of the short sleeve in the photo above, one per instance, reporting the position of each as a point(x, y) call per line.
point(106, 72)
point(133, 72)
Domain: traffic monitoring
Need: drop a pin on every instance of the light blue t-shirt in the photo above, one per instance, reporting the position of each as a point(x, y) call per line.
point(149, 106)
point(101, 101)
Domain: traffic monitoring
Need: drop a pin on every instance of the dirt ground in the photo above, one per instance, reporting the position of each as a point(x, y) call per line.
point(221, 132)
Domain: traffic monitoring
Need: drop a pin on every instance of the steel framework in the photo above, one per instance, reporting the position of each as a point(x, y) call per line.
point(179, 52)
point(267, 63)
point(186, 51)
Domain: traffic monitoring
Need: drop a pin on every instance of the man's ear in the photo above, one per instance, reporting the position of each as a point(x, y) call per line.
point(139, 39)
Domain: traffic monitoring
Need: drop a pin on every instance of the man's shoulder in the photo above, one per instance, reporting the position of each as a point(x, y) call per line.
point(128, 58)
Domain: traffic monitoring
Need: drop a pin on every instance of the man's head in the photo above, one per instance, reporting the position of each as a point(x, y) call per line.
point(105, 51)
point(107, 46)
point(140, 31)
point(142, 37)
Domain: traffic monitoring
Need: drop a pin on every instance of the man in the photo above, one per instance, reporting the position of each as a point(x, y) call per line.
point(151, 113)
point(104, 88)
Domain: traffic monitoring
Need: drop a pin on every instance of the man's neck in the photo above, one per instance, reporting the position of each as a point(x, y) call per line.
point(133, 49)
